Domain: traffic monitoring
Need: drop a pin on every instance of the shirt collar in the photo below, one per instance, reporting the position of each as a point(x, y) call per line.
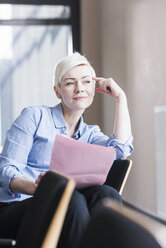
point(58, 118)
point(80, 129)
point(59, 121)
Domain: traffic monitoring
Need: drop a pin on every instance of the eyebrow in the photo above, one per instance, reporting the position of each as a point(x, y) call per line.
point(75, 78)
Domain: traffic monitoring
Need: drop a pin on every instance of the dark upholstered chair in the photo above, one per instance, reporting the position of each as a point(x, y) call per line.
point(43, 220)
point(116, 178)
point(118, 174)
point(118, 226)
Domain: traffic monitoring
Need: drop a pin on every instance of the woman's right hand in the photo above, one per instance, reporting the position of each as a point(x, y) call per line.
point(39, 178)
point(25, 186)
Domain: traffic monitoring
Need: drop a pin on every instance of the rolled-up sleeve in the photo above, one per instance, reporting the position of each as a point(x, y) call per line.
point(123, 150)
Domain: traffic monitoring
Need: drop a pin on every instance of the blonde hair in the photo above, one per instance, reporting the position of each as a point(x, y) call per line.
point(69, 62)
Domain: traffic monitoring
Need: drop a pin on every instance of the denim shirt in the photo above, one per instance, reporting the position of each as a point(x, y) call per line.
point(29, 142)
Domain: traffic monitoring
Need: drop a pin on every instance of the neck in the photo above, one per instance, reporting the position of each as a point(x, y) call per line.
point(71, 118)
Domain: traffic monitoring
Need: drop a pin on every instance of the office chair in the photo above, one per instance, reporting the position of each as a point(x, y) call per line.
point(118, 226)
point(118, 174)
point(42, 223)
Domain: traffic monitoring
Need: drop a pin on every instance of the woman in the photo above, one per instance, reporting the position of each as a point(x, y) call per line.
point(27, 150)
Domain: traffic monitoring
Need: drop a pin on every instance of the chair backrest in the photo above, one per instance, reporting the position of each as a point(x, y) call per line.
point(115, 226)
point(43, 220)
point(118, 174)
point(54, 231)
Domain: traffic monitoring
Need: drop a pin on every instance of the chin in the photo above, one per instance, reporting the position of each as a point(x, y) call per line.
point(82, 107)
point(76, 106)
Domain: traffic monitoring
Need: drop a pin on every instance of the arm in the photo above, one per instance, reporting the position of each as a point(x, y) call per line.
point(23, 186)
point(122, 125)
point(13, 159)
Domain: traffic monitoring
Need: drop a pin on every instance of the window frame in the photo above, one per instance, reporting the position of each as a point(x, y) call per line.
point(74, 19)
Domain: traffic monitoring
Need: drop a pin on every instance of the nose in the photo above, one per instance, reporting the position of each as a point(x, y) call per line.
point(79, 87)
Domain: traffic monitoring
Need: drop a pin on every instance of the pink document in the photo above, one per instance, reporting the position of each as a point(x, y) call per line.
point(87, 164)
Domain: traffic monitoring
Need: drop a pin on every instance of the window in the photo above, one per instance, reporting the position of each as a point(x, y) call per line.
point(35, 35)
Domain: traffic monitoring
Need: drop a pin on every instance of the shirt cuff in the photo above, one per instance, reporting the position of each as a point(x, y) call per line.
point(7, 178)
point(123, 150)
point(11, 193)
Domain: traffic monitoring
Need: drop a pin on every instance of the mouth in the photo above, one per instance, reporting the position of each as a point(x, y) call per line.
point(79, 98)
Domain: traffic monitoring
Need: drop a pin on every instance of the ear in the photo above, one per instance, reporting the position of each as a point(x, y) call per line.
point(57, 92)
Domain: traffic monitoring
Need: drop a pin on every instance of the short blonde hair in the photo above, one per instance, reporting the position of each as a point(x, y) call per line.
point(69, 62)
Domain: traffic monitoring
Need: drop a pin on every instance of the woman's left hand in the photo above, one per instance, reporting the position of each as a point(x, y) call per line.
point(108, 86)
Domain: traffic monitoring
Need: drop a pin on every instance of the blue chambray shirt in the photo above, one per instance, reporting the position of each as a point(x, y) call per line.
point(29, 142)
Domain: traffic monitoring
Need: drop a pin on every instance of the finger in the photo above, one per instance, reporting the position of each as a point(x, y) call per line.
point(42, 173)
point(36, 182)
point(98, 78)
point(105, 86)
point(40, 177)
point(103, 91)
point(103, 83)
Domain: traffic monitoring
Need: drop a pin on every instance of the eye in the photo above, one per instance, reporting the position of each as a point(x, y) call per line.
point(69, 83)
point(88, 81)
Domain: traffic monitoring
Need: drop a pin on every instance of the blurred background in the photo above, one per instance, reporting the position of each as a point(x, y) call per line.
point(125, 40)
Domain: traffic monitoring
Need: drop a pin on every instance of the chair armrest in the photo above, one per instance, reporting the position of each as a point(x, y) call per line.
point(118, 174)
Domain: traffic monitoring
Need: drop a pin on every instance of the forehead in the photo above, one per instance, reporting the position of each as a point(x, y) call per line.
point(78, 71)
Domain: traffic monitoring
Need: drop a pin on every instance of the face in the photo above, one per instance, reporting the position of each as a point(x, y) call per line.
point(77, 88)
